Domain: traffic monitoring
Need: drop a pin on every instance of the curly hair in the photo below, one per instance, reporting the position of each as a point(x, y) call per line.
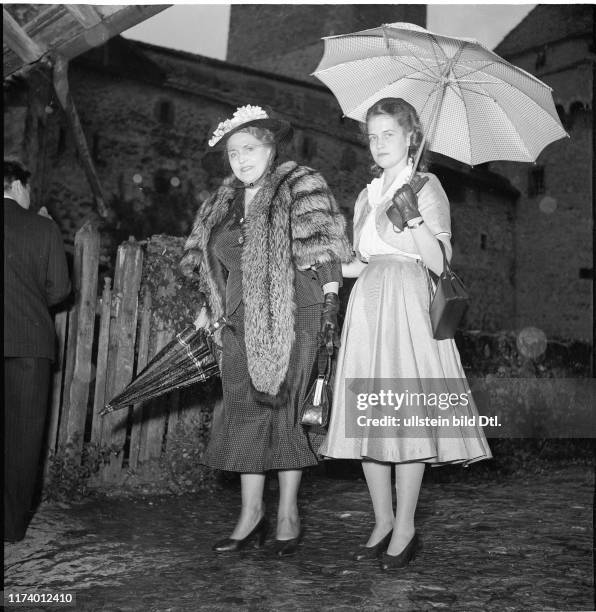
point(407, 117)
point(265, 135)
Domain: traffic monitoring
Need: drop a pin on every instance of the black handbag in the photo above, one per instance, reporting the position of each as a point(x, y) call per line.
point(317, 402)
point(448, 302)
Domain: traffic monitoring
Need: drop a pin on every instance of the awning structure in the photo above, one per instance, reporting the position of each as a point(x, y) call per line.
point(32, 31)
point(48, 36)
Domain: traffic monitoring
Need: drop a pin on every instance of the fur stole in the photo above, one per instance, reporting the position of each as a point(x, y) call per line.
point(293, 221)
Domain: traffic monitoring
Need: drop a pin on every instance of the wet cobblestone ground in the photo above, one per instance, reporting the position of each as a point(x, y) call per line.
point(522, 543)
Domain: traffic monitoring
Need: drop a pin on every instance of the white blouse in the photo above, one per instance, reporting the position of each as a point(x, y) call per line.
point(370, 241)
point(374, 233)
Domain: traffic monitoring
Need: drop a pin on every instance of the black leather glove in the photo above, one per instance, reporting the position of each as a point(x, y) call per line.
point(405, 202)
point(329, 326)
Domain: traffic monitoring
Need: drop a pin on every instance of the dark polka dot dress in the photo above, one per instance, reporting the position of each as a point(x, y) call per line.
point(248, 436)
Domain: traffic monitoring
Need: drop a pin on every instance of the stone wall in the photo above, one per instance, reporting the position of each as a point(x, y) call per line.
point(484, 253)
point(554, 219)
point(286, 39)
point(147, 147)
point(554, 237)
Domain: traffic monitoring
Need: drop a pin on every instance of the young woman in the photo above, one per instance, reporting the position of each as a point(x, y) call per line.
point(387, 336)
point(267, 246)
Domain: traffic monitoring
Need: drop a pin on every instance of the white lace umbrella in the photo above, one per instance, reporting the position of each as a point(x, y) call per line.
point(474, 106)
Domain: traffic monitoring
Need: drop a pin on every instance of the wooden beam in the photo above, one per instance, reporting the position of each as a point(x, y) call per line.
point(16, 38)
point(85, 14)
point(68, 30)
point(60, 78)
point(112, 25)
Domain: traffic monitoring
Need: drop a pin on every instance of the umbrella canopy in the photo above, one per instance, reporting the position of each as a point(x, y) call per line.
point(189, 358)
point(474, 106)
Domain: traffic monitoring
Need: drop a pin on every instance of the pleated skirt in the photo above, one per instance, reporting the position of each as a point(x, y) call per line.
point(247, 436)
point(387, 340)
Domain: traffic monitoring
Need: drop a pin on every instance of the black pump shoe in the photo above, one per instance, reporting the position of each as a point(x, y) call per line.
point(259, 533)
point(372, 552)
point(389, 562)
point(284, 548)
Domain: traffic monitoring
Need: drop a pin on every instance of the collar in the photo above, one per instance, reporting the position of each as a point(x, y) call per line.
point(374, 188)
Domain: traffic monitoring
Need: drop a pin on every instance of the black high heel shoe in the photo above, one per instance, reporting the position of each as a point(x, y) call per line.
point(284, 548)
point(372, 552)
point(259, 533)
point(389, 562)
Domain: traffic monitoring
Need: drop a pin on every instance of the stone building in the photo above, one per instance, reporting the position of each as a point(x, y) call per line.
point(148, 112)
point(286, 39)
point(554, 221)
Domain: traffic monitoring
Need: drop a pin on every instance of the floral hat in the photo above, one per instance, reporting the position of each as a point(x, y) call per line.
point(250, 115)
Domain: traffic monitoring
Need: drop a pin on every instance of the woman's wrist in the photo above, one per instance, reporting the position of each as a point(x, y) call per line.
point(353, 268)
point(331, 287)
point(415, 222)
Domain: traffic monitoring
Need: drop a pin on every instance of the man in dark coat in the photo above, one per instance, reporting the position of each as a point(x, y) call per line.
point(35, 278)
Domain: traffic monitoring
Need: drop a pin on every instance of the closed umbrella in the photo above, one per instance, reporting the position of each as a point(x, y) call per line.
point(474, 105)
point(191, 357)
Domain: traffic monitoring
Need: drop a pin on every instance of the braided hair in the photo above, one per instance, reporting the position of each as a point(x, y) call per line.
point(407, 117)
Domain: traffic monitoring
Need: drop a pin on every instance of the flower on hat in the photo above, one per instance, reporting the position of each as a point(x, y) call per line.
point(243, 114)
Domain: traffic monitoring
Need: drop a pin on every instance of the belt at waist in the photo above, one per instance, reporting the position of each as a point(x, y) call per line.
point(394, 257)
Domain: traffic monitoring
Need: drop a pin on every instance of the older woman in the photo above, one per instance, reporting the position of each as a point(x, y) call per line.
point(268, 246)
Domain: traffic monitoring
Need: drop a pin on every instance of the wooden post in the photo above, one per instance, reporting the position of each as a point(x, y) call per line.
point(17, 39)
point(61, 322)
point(82, 326)
point(173, 415)
point(142, 359)
point(123, 325)
point(63, 94)
point(154, 414)
point(85, 14)
point(71, 344)
point(102, 360)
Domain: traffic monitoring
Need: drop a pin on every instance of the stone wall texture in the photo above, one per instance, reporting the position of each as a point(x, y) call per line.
point(286, 39)
point(554, 224)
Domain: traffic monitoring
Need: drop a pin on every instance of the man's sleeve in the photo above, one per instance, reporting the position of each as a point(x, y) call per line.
point(57, 280)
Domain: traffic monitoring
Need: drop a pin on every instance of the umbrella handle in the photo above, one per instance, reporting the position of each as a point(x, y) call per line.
point(433, 124)
point(221, 322)
point(441, 85)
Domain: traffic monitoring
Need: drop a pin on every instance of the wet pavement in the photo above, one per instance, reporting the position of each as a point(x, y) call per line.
point(520, 543)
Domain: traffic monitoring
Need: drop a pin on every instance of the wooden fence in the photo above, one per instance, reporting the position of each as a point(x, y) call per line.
point(102, 343)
